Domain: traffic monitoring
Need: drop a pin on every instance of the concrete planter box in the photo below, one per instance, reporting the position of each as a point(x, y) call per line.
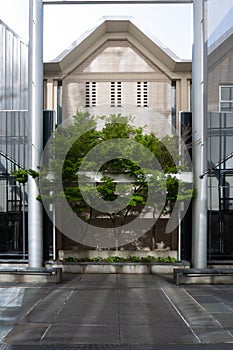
point(122, 268)
point(122, 253)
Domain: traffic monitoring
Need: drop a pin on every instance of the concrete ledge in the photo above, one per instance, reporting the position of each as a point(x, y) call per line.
point(203, 276)
point(122, 253)
point(121, 268)
point(13, 274)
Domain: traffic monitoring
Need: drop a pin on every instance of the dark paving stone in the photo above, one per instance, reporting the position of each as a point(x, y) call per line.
point(214, 308)
point(47, 308)
point(206, 299)
point(213, 335)
point(88, 313)
point(92, 334)
point(148, 315)
point(25, 334)
point(99, 295)
point(116, 312)
point(226, 320)
point(139, 295)
point(150, 334)
point(5, 328)
point(192, 312)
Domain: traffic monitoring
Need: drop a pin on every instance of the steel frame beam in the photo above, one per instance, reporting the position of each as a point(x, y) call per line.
point(95, 2)
point(199, 258)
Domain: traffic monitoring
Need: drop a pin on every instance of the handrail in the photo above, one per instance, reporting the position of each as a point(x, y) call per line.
point(216, 165)
point(11, 160)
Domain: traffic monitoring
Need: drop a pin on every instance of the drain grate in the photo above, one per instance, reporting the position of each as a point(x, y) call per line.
point(194, 346)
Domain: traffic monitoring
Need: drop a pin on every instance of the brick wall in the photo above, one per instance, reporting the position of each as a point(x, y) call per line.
point(119, 61)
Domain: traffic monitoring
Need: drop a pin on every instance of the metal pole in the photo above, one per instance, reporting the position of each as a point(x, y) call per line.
point(199, 229)
point(24, 226)
point(35, 106)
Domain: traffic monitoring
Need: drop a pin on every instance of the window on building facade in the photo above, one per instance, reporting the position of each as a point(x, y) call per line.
point(226, 98)
point(115, 94)
point(90, 94)
point(174, 104)
point(142, 94)
point(191, 95)
point(59, 102)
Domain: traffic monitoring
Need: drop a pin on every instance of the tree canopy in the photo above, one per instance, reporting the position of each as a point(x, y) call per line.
point(112, 169)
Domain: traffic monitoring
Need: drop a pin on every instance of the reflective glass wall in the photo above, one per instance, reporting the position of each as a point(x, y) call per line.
point(220, 127)
point(13, 142)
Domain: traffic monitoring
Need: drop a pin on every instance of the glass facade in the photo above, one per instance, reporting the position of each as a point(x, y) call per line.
point(220, 127)
point(13, 142)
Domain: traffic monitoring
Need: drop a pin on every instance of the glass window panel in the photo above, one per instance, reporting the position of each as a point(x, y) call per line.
point(226, 106)
point(214, 120)
point(3, 195)
point(214, 149)
point(229, 120)
point(227, 93)
point(213, 198)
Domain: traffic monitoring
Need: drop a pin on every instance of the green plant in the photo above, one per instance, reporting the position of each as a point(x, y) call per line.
point(133, 259)
point(162, 184)
point(21, 175)
point(167, 259)
point(116, 259)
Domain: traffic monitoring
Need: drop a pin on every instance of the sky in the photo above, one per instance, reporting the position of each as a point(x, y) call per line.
point(63, 24)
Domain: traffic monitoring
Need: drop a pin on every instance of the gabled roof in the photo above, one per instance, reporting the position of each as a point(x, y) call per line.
point(117, 29)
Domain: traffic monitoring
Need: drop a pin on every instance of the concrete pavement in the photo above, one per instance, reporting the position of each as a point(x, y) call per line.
point(114, 311)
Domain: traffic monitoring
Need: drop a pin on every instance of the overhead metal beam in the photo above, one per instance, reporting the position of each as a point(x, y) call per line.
point(95, 2)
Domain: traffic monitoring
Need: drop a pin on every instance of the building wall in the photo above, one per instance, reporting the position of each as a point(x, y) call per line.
point(14, 123)
point(14, 145)
point(120, 61)
point(13, 70)
point(220, 73)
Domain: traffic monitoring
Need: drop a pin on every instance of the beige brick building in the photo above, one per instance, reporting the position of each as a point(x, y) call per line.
point(117, 68)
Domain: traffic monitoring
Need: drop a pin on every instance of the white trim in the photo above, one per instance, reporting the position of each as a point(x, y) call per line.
point(220, 97)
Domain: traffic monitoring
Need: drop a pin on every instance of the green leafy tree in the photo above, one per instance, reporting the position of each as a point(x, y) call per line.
point(137, 177)
point(115, 127)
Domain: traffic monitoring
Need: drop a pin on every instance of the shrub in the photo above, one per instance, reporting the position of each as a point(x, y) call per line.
point(116, 259)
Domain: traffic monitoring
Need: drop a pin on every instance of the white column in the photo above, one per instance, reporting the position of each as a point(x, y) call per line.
point(49, 94)
point(199, 229)
point(35, 106)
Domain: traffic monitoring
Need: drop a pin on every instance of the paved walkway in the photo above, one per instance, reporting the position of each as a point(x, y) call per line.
point(108, 311)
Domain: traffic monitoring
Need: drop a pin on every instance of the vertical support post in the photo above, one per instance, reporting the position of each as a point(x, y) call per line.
point(199, 137)
point(35, 107)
